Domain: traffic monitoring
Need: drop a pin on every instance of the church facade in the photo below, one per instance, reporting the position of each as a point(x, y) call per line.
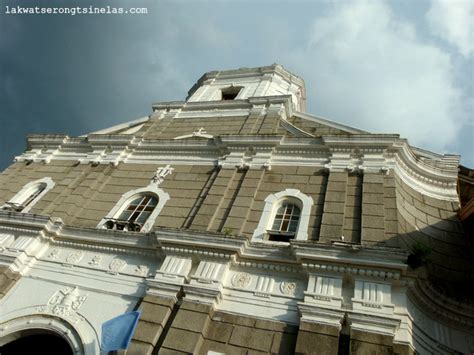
point(238, 223)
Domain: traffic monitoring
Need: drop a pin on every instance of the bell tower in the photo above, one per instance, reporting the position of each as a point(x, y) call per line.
point(245, 83)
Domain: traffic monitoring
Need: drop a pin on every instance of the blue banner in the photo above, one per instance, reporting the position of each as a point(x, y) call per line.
point(117, 332)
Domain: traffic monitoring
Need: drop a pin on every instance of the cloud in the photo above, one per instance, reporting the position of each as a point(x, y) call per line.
point(453, 21)
point(367, 68)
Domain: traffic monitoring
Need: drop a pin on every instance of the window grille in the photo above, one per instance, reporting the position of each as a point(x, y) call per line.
point(134, 216)
point(285, 224)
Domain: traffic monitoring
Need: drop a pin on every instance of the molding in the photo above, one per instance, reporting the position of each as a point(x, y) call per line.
point(363, 260)
point(315, 314)
point(379, 152)
point(327, 122)
point(58, 326)
point(119, 127)
point(270, 266)
point(273, 202)
point(373, 323)
point(127, 197)
point(28, 190)
point(202, 294)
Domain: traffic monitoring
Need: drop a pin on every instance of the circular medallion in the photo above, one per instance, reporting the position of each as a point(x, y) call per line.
point(241, 280)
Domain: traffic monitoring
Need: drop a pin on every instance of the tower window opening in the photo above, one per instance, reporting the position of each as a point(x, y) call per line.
point(230, 93)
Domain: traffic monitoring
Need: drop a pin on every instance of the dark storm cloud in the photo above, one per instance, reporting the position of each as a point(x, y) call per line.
point(76, 74)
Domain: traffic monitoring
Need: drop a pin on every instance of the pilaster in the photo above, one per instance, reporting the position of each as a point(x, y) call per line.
point(334, 207)
point(373, 208)
point(319, 330)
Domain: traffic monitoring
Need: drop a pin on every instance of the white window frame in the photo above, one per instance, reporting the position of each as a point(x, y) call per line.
point(127, 197)
point(29, 189)
point(272, 202)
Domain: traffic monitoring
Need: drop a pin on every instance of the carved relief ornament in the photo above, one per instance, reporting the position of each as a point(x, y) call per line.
point(241, 280)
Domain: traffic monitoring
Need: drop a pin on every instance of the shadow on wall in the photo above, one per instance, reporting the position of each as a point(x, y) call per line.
point(441, 257)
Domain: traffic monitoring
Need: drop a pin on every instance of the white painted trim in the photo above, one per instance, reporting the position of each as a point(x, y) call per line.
point(119, 127)
point(127, 197)
point(328, 122)
point(26, 319)
point(273, 201)
point(29, 189)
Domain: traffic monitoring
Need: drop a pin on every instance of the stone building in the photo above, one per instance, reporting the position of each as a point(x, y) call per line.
point(238, 223)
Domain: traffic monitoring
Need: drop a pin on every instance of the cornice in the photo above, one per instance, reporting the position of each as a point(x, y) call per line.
point(32, 223)
point(366, 152)
point(379, 152)
point(188, 240)
point(358, 259)
point(300, 258)
point(267, 252)
point(104, 247)
point(206, 245)
point(106, 236)
point(394, 153)
point(270, 266)
point(167, 106)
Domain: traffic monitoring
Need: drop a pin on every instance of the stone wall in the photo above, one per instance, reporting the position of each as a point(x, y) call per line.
point(228, 200)
point(171, 126)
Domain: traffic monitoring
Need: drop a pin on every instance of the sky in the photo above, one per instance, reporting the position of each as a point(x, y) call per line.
point(383, 66)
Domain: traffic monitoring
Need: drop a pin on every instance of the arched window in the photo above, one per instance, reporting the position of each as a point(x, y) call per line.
point(136, 210)
point(285, 223)
point(31, 193)
point(285, 216)
point(135, 214)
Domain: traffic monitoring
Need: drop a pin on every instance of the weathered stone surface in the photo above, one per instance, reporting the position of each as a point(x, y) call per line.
point(164, 351)
point(372, 198)
point(190, 320)
point(373, 338)
point(196, 307)
point(182, 340)
point(252, 338)
point(372, 222)
point(234, 319)
point(164, 301)
point(335, 196)
point(148, 332)
point(283, 343)
point(334, 207)
point(155, 313)
point(275, 326)
point(373, 188)
point(139, 348)
point(313, 343)
point(373, 178)
point(330, 232)
point(361, 348)
point(335, 219)
point(319, 328)
point(219, 331)
point(209, 345)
